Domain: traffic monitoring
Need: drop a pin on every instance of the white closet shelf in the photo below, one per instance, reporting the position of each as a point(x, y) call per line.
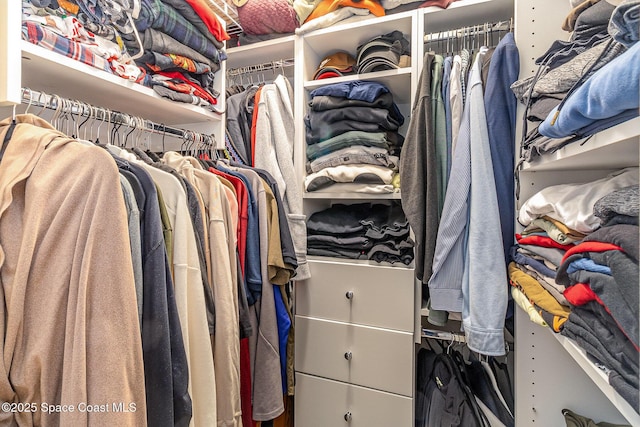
point(397, 80)
point(367, 262)
point(466, 12)
point(613, 148)
point(350, 196)
point(48, 71)
point(599, 378)
point(257, 53)
point(358, 32)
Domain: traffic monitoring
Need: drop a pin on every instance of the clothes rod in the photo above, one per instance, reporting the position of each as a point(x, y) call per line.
point(471, 31)
point(267, 66)
point(33, 98)
point(443, 335)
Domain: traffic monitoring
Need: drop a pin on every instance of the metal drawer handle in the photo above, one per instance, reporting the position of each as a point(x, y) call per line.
point(349, 295)
point(348, 355)
point(347, 416)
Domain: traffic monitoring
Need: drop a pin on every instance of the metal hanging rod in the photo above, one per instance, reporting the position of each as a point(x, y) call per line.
point(267, 66)
point(470, 31)
point(443, 335)
point(75, 108)
point(229, 14)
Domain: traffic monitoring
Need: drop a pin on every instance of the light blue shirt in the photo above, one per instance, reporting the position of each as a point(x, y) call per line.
point(469, 271)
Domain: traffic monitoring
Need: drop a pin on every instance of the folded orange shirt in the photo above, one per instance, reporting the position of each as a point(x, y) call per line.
point(327, 6)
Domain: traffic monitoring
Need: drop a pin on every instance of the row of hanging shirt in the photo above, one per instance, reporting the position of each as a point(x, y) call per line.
point(139, 273)
point(460, 146)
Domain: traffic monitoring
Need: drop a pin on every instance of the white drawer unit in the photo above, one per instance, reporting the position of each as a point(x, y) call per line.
point(363, 294)
point(372, 357)
point(326, 403)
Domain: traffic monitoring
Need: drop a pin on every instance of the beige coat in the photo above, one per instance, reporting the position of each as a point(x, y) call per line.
point(68, 315)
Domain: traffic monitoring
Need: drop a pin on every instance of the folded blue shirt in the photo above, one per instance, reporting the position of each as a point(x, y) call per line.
point(611, 91)
point(588, 265)
point(358, 89)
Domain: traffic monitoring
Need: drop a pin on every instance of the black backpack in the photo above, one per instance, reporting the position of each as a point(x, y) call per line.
point(443, 397)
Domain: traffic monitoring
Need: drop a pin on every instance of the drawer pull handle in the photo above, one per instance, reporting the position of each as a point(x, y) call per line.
point(348, 355)
point(349, 295)
point(347, 416)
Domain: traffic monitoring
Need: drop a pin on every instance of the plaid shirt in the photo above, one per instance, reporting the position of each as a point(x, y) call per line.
point(42, 36)
point(165, 18)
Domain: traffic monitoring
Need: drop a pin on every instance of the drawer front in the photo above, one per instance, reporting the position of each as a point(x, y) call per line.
point(362, 355)
point(380, 296)
point(325, 403)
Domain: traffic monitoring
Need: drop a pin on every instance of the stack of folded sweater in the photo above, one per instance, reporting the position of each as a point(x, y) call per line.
point(182, 43)
point(590, 270)
point(66, 27)
point(362, 231)
point(352, 138)
point(586, 84)
point(601, 276)
point(177, 44)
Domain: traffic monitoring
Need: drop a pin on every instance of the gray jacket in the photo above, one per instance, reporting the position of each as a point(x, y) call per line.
point(418, 175)
point(274, 153)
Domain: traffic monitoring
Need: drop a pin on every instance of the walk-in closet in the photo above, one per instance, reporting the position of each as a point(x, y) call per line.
point(320, 213)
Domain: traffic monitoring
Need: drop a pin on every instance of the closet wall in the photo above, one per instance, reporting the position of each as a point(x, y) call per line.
point(552, 373)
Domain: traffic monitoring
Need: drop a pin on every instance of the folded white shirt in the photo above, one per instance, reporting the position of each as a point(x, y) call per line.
point(572, 204)
point(362, 174)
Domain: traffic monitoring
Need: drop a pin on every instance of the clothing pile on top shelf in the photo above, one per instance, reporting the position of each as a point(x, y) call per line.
point(586, 84)
point(352, 138)
point(362, 231)
point(183, 42)
point(394, 6)
point(169, 253)
point(263, 20)
point(575, 269)
point(177, 44)
point(457, 186)
point(65, 28)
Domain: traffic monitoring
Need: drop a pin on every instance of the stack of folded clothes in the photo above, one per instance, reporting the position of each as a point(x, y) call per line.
point(182, 42)
point(362, 231)
point(601, 276)
point(174, 46)
point(353, 143)
point(580, 255)
point(66, 27)
point(586, 84)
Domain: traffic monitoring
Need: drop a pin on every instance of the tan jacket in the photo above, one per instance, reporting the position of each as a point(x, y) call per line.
point(68, 313)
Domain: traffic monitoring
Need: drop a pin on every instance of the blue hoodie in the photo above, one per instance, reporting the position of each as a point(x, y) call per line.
point(608, 97)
